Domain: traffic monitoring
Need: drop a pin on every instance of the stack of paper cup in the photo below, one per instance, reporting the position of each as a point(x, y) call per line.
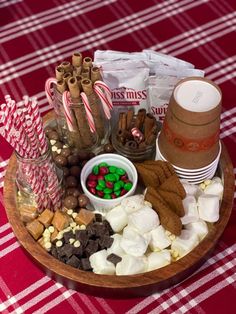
point(189, 138)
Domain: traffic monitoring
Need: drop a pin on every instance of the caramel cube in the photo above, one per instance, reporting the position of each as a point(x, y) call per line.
point(41, 242)
point(84, 217)
point(60, 220)
point(35, 228)
point(28, 213)
point(46, 217)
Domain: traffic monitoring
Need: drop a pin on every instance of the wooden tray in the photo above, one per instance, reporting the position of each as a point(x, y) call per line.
point(121, 286)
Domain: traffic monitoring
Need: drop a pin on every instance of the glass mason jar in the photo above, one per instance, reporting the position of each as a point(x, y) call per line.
point(81, 138)
point(39, 182)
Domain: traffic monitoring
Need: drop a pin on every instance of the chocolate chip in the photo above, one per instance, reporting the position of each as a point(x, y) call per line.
point(82, 236)
point(68, 250)
point(73, 261)
point(68, 235)
point(60, 161)
point(71, 182)
point(113, 258)
point(98, 217)
point(83, 200)
point(105, 242)
point(54, 252)
point(75, 171)
point(70, 202)
point(108, 227)
point(85, 263)
point(91, 247)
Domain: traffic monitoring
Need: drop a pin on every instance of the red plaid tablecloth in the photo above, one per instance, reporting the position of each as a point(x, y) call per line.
point(37, 35)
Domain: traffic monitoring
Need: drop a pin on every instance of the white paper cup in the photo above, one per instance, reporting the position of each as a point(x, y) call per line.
point(100, 204)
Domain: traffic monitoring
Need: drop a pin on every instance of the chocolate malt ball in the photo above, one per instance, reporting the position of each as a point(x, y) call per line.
point(108, 148)
point(65, 152)
point(58, 145)
point(60, 161)
point(73, 160)
point(83, 200)
point(70, 202)
point(75, 171)
point(71, 182)
point(74, 192)
point(83, 156)
point(66, 171)
point(53, 135)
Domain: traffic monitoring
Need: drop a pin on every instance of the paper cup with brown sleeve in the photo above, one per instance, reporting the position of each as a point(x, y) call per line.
point(190, 134)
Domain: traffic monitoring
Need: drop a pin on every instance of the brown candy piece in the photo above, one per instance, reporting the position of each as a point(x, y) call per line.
point(46, 217)
point(70, 202)
point(53, 135)
point(71, 182)
point(35, 228)
point(60, 220)
point(75, 171)
point(61, 161)
point(65, 152)
point(73, 191)
point(73, 160)
point(84, 217)
point(66, 171)
point(83, 200)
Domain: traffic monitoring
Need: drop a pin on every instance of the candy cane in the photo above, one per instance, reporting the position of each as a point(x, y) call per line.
point(88, 112)
point(107, 92)
point(48, 85)
point(104, 101)
point(66, 104)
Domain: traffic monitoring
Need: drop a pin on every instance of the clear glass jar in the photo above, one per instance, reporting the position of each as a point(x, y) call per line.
point(39, 182)
point(81, 138)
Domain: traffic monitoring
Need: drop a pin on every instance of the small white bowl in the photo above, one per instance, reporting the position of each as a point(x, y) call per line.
point(100, 204)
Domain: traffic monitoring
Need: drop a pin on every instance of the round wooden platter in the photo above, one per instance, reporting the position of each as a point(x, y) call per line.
point(121, 286)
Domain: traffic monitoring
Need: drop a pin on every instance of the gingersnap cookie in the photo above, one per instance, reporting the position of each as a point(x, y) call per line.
point(174, 201)
point(169, 219)
point(148, 177)
point(173, 184)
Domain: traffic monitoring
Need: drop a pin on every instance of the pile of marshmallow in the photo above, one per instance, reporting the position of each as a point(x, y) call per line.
point(142, 242)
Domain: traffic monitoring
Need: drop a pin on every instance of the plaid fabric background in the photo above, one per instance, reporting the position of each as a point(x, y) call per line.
point(37, 35)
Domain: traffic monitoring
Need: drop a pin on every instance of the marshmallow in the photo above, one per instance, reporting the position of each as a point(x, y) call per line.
point(158, 259)
point(185, 242)
point(133, 243)
point(191, 189)
point(159, 239)
point(115, 248)
point(100, 264)
point(144, 219)
point(130, 265)
point(215, 188)
point(199, 227)
point(133, 203)
point(209, 207)
point(117, 218)
point(190, 209)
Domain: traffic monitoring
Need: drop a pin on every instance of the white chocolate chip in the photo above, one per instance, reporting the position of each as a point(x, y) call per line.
point(71, 240)
point(77, 227)
point(59, 235)
point(74, 215)
point(54, 148)
point(51, 229)
point(46, 233)
point(202, 186)
point(59, 243)
point(73, 224)
point(70, 212)
point(58, 150)
point(48, 246)
point(65, 146)
point(46, 239)
point(207, 182)
point(82, 227)
point(77, 243)
point(52, 142)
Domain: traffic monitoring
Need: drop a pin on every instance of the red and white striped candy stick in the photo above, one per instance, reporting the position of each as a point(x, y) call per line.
point(88, 112)
point(48, 85)
point(38, 124)
point(104, 102)
point(66, 104)
point(137, 134)
point(107, 92)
